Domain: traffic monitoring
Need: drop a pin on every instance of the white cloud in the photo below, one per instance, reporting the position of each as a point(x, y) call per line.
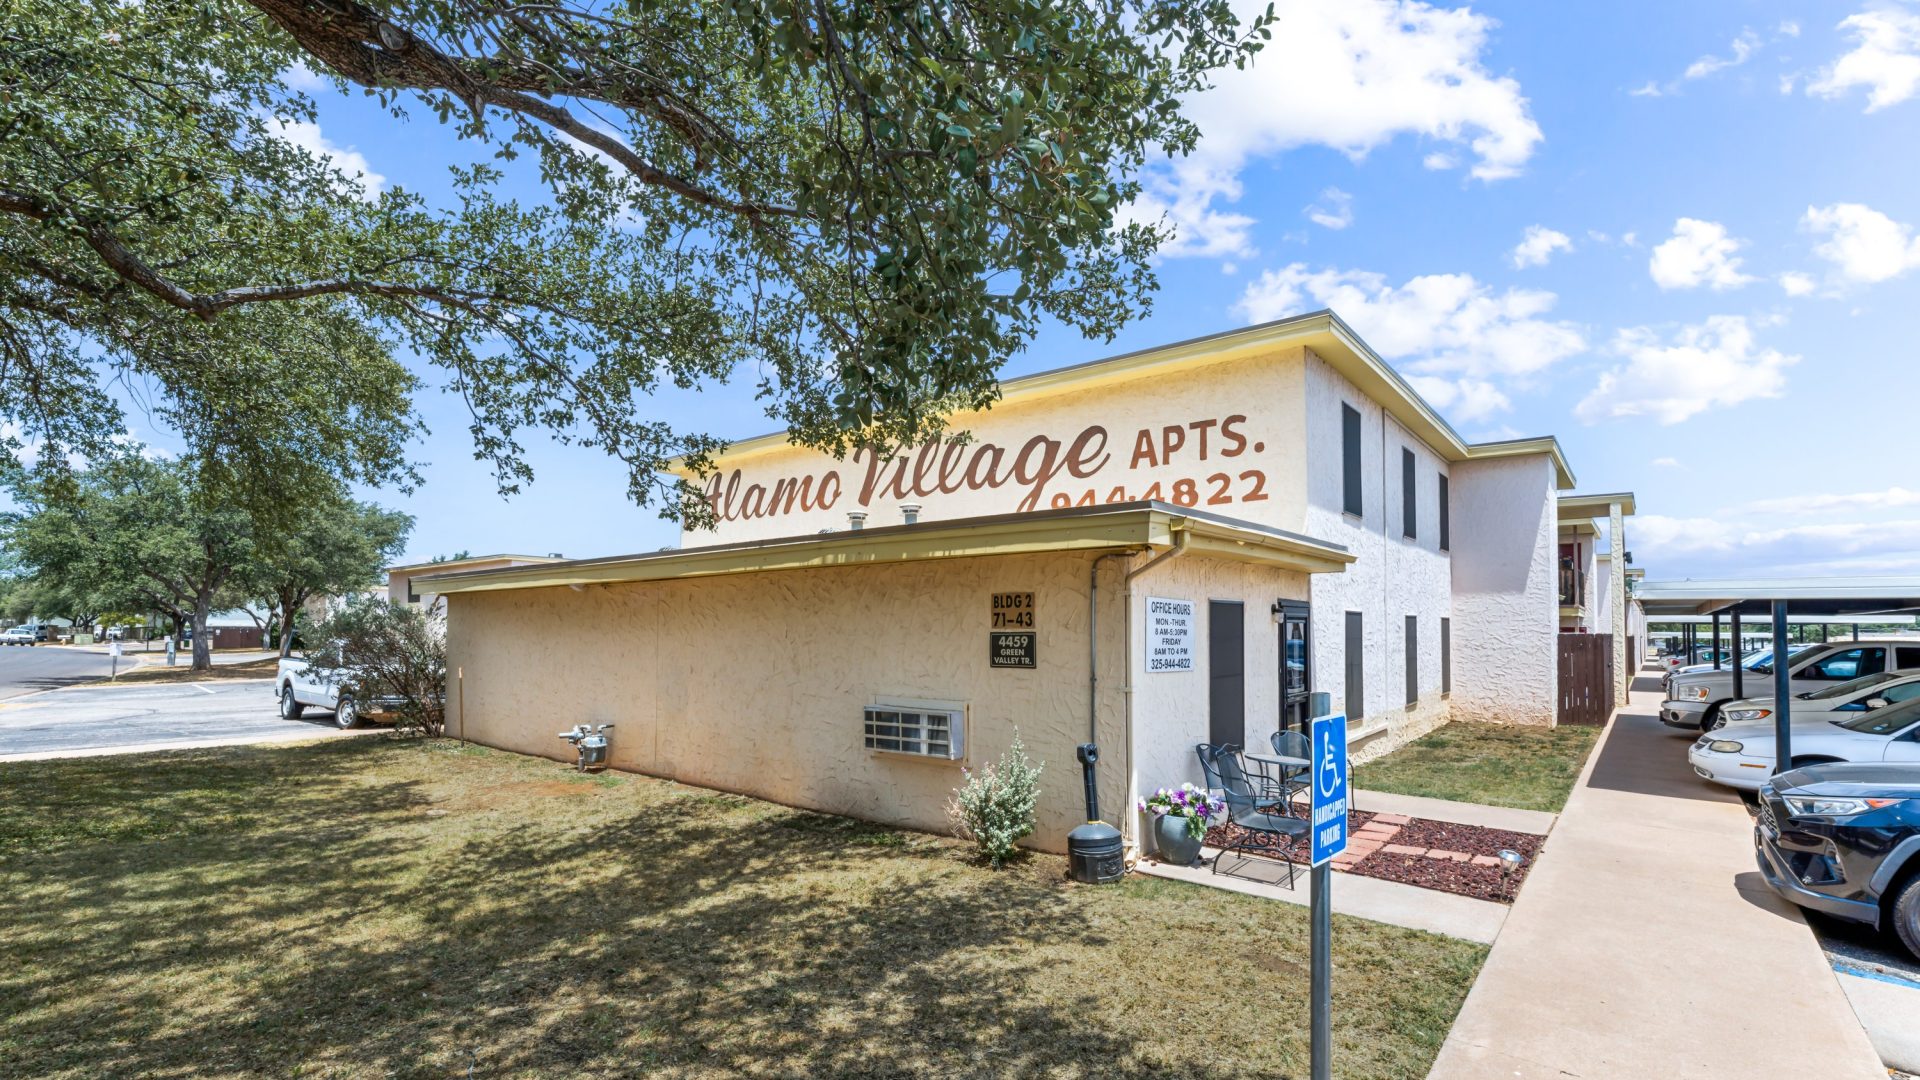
point(1855, 546)
point(1666, 463)
point(1795, 283)
point(1885, 58)
point(1333, 210)
point(1698, 253)
point(1454, 334)
point(1789, 28)
point(1650, 89)
point(1716, 363)
point(1537, 245)
point(1463, 400)
point(1891, 498)
point(1352, 75)
point(358, 177)
point(1740, 51)
point(304, 79)
point(1863, 244)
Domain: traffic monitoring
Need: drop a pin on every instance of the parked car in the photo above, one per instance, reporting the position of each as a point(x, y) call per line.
point(1852, 696)
point(299, 687)
point(1694, 700)
point(25, 634)
point(1743, 755)
point(1845, 840)
point(1763, 658)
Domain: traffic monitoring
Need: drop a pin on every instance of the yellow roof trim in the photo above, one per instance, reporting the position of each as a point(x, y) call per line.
point(471, 559)
point(1321, 331)
point(1596, 505)
point(1122, 527)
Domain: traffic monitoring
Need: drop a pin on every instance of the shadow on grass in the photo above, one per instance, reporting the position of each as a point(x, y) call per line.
point(392, 909)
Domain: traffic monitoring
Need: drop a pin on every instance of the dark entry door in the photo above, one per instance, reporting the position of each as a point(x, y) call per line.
point(1226, 672)
point(1296, 665)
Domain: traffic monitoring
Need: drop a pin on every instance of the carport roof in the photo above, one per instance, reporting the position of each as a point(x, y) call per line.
point(1804, 596)
point(1119, 527)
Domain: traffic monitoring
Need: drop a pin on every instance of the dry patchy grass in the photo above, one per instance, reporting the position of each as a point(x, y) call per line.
point(183, 672)
point(374, 907)
point(1529, 768)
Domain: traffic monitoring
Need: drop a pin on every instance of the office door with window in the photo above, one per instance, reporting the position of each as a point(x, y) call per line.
point(1296, 664)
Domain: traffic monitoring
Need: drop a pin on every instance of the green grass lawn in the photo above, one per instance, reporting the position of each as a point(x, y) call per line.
point(372, 907)
point(1531, 768)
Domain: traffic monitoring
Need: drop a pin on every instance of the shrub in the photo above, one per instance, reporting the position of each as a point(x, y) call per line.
point(994, 807)
point(390, 654)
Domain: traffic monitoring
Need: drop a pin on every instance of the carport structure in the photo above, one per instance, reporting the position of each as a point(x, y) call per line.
point(1778, 599)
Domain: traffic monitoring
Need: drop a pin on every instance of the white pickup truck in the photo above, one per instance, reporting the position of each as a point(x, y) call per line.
point(299, 687)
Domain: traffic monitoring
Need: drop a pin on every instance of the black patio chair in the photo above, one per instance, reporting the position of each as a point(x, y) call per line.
point(1293, 780)
point(1266, 833)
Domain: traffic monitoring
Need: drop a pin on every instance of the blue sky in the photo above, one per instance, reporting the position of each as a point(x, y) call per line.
point(1680, 237)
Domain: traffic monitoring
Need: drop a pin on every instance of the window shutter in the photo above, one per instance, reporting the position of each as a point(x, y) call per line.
point(1356, 666)
point(1413, 659)
point(1351, 501)
point(1409, 496)
point(1446, 531)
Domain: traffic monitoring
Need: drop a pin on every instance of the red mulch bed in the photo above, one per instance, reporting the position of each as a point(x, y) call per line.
point(1441, 875)
point(1447, 875)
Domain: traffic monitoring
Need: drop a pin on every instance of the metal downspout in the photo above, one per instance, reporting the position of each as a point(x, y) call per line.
point(1126, 606)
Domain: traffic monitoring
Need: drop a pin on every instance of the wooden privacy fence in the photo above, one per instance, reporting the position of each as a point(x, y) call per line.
point(1586, 679)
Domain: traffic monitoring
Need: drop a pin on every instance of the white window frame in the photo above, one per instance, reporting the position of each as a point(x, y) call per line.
point(873, 736)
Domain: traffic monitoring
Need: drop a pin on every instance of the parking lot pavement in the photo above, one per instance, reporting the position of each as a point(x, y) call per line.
point(1881, 980)
point(121, 719)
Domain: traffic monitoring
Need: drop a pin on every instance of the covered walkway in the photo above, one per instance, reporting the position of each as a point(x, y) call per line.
point(1645, 943)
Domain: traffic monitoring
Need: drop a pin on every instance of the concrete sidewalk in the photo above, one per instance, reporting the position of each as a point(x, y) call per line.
point(1645, 944)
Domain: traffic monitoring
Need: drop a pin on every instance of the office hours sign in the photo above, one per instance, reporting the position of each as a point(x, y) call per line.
point(1169, 634)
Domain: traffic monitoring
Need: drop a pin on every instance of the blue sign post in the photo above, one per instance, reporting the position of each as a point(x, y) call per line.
point(1327, 817)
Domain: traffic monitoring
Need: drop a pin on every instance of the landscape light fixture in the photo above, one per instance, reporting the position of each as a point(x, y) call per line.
point(1510, 861)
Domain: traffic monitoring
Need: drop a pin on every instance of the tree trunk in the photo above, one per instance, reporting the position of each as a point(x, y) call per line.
point(287, 605)
point(202, 648)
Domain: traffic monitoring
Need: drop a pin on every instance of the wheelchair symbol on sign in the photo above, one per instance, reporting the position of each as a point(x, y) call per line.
point(1328, 775)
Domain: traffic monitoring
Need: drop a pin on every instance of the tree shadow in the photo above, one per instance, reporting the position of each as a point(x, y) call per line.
point(346, 912)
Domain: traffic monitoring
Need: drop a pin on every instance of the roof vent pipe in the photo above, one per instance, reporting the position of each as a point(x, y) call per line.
point(910, 511)
point(856, 519)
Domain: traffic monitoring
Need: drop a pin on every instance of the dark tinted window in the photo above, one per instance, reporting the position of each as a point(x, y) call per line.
point(1409, 497)
point(1846, 664)
point(1886, 721)
point(1906, 656)
point(1446, 531)
point(1356, 655)
point(1351, 500)
point(1413, 659)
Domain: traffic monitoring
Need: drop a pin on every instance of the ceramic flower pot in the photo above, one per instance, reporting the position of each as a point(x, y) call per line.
point(1171, 840)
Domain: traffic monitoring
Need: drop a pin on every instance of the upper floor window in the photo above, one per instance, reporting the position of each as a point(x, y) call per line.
point(1409, 496)
point(1351, 500)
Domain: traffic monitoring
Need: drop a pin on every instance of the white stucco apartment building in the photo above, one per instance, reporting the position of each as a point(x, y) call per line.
point(1164, 548)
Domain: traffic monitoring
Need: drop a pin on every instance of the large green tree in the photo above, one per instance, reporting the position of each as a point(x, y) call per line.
point(135, 533)
point(871, 205)
point(337, 548)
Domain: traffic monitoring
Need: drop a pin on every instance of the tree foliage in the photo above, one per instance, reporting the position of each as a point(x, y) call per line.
point(390, 655)
point(337, 548)
point(871, 206)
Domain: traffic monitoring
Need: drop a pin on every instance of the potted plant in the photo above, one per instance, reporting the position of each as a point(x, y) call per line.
point(1180, 819)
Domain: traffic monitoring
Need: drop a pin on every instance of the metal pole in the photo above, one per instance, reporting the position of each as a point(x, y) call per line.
point(1739, 690)
point(1716, 641)
point(1782, 697)
point(1322, 973)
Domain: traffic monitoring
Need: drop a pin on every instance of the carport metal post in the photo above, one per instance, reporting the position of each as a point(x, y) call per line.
point(1739, 690)
point(1716, 641)
point(1782, 699)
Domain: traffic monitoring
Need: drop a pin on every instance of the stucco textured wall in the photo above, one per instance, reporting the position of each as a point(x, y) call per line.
point(1505, 584)
point(756, 683)
point(1171, 709)
point(1193, 403)
point(1393, 577)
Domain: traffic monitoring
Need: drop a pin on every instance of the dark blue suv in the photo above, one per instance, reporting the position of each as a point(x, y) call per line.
point(1844, 839)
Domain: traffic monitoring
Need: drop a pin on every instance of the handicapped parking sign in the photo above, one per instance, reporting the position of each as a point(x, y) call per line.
point(1329, 787)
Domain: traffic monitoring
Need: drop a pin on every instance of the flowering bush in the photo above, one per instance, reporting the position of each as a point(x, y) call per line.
point(994, 808)
point(1201, 810)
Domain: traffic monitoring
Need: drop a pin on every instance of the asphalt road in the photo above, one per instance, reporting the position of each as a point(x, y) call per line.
point(26, 669)
point(98, 717)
